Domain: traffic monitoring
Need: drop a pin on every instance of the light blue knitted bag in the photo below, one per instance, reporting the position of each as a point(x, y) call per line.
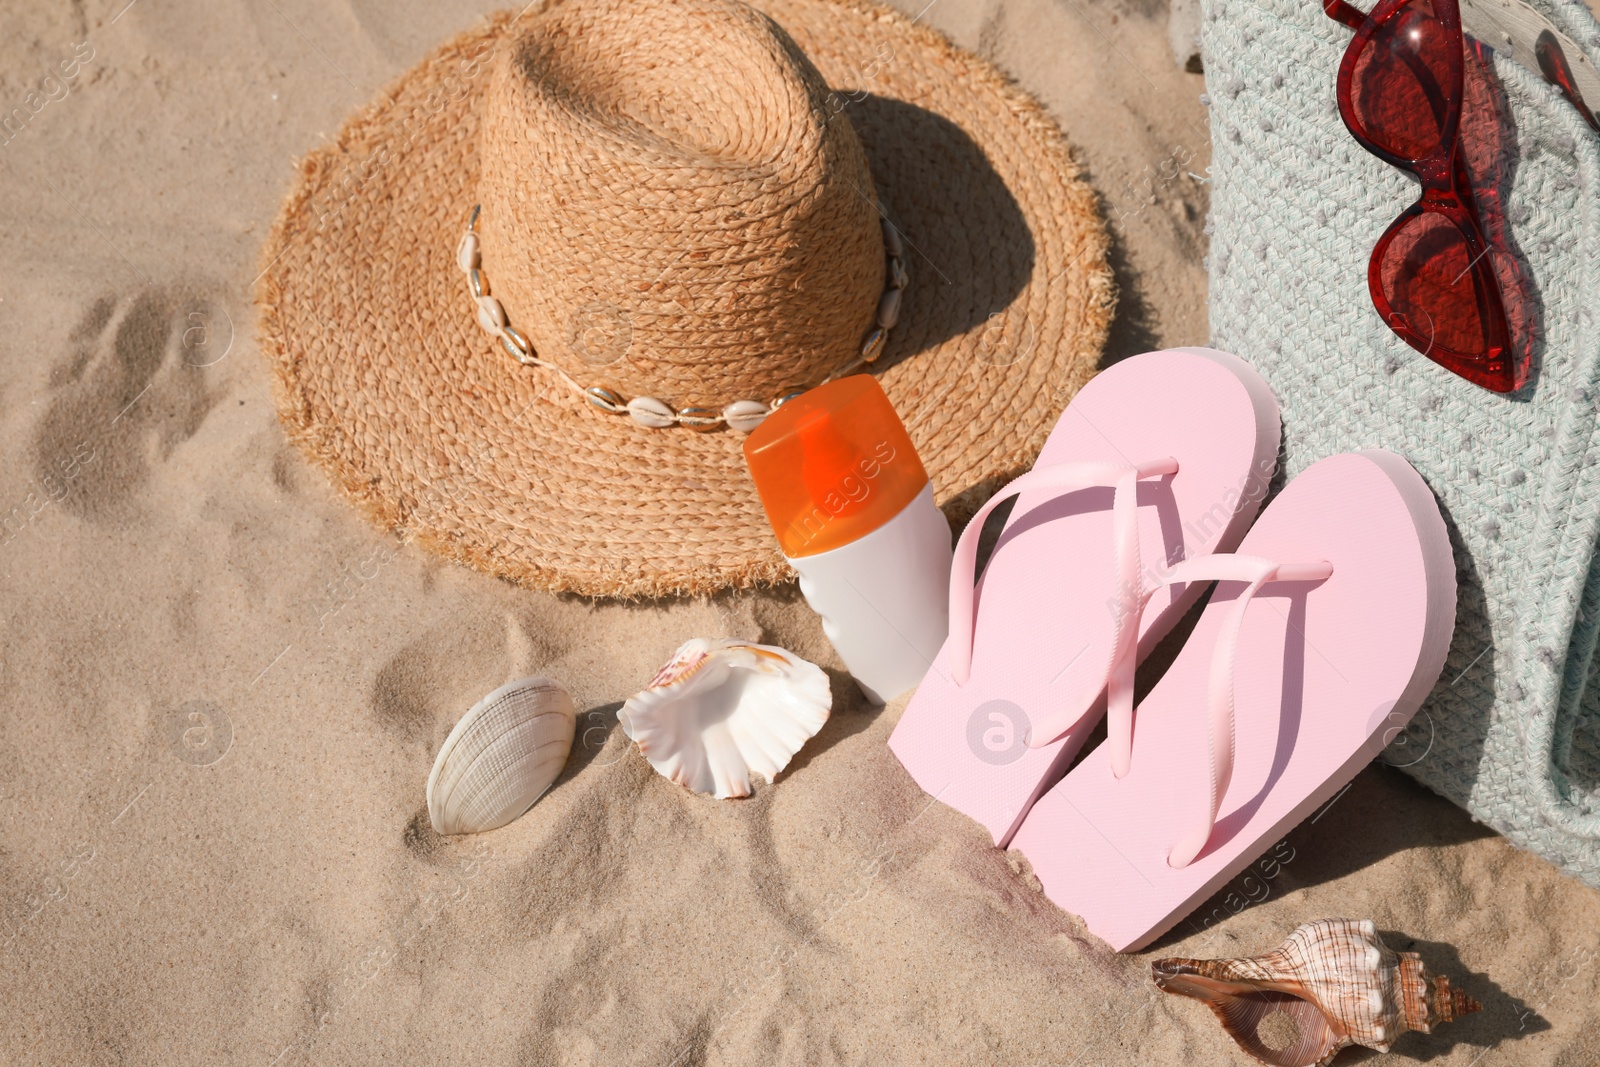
point(1512, 730)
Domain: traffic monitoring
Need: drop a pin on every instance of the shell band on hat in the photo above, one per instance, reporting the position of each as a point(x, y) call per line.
point(741, 415)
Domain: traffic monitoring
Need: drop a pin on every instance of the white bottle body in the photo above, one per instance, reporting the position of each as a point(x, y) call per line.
point(885, 598)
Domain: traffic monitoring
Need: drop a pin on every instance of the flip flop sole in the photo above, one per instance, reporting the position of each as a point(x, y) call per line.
point(1325, 674)
point(1043, 631)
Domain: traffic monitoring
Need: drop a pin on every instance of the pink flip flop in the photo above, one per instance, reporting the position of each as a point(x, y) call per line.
point(1160, 458)
point(1350, 588)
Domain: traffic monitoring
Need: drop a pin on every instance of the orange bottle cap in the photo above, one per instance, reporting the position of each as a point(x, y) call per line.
point(832, 465)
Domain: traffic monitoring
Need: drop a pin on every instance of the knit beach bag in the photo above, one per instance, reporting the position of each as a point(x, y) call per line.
point(1512, 730)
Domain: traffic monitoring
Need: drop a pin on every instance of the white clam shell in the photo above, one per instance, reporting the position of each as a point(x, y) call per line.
point(501, 757)
point(722, 711)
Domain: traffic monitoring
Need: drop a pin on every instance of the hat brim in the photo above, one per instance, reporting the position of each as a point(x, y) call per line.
point(386, 380)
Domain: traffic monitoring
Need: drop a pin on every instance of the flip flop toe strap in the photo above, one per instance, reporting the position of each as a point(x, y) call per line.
point(1255, 572)
point(1062, 477)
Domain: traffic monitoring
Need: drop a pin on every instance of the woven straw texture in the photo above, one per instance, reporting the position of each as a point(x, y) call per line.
point(1512, 731)
point(713, 221)
point(707, 209)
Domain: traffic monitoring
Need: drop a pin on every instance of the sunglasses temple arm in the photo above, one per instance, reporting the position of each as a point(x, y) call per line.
point(1341, 11)
point(1553, 64)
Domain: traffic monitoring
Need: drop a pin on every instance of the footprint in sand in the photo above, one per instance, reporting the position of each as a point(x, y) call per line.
point(131, 389)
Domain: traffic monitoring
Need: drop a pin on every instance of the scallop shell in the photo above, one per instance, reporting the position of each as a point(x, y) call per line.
point(723, 710)
point(1333, 983)
point(501, 756)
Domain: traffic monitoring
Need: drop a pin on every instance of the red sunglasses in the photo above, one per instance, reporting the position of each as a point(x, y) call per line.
point(1400, 95)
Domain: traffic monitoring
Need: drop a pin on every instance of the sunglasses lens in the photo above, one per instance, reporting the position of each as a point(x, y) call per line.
point(1405, 85)
point(1427, 277)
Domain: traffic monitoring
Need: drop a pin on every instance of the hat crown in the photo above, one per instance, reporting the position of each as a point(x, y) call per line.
point(671, 207)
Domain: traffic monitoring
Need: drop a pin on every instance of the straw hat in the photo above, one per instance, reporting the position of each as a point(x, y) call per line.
point(680, 212)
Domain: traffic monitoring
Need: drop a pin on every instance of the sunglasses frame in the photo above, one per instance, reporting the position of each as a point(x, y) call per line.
point(1446, 191)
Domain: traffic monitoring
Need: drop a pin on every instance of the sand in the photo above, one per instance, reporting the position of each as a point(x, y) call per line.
point(222, 690)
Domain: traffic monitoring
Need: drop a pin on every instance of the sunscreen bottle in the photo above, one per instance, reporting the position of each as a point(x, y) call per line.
point(853, 510)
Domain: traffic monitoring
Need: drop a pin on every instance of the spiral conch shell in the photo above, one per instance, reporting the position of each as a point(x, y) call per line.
point(724, 710)
point(1333, 983)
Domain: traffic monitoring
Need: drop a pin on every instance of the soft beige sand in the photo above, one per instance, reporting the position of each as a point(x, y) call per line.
point(276, 895)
